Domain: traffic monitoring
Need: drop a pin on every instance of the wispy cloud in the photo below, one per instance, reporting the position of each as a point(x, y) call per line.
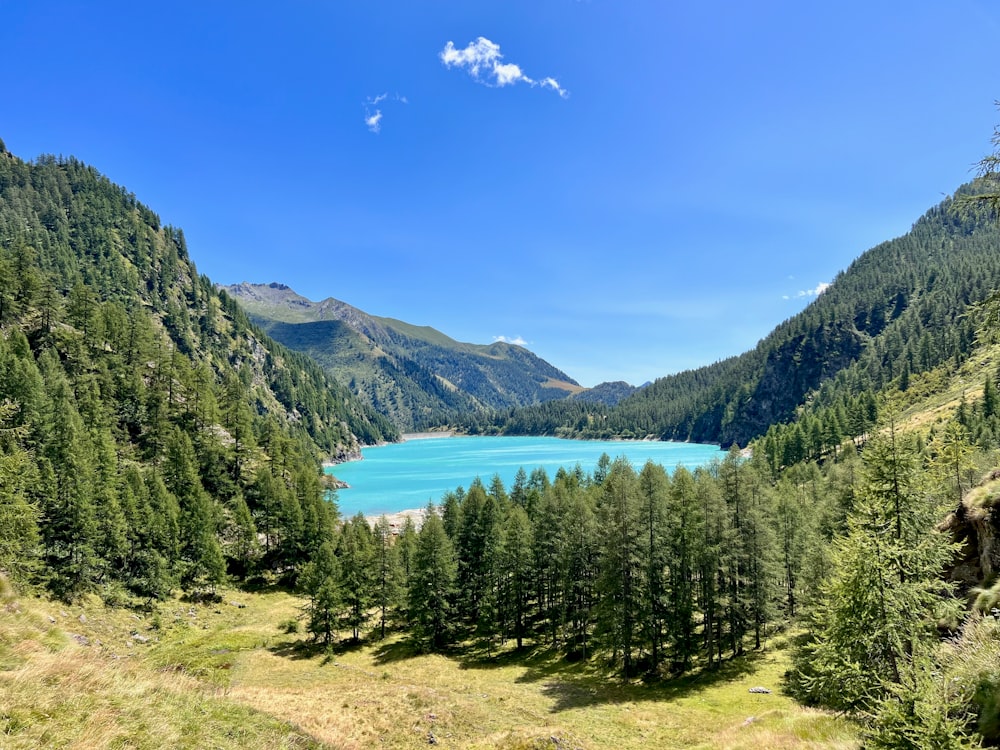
point(481, 59)
point(516, 341)
point(373, 119)
point(820, 288)
point(374, 122)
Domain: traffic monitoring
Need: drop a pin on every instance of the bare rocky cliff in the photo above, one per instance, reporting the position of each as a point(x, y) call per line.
point(975, 525)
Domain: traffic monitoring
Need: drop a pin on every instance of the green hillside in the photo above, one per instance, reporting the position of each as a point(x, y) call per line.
point(151, 437)
point(416, 375)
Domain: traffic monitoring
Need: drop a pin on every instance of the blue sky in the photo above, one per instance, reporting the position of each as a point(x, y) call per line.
point(629, 187)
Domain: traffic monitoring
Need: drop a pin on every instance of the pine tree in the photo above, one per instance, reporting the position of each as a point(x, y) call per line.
point(654, 490)
point(578, 546)
point(19, 515)
point(318, 513)
point(619, 585)
point(112, 538)
point(952, 458)
point(516, 565)
point(793, 525)
point(922, 710)
point(202, 563)
point(69, 524)
point(356, 556)
point(475, 532)
point(239, 536)
point(547, 523)
point(432, 586)
point(490, 614)
point(407, 546)
point(320, 581)
point(760, 549)
point(147, 572)
point(885, 595)
point(735, 483)
point(684, 535)
point(388, 573)
point(711, 525)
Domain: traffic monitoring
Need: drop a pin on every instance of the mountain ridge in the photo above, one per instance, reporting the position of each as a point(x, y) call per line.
point(416, 375)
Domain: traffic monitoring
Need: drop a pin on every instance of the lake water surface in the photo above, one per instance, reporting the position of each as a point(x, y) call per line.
point(407, 475)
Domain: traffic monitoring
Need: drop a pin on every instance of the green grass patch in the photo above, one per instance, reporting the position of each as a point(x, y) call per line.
point(229, 674)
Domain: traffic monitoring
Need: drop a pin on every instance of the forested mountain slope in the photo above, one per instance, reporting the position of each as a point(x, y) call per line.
point(149, 434)
point(897, 310)
point(416, 375)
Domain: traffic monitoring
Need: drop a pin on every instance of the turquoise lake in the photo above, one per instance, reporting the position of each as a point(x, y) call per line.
point(401, 476)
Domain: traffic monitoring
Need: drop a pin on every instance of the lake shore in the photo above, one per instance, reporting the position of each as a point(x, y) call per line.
point(398, 519)
point(407, 436)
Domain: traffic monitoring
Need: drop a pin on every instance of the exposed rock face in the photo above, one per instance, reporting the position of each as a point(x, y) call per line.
point(790, 372)
point(975, 524)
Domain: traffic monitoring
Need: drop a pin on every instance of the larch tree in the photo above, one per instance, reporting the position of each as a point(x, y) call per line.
point(320, 581)
point(388, 573)
point(356, 554)
point(516, 565)
point(654, 493)
point(885, 595)
point(432, 586)
point(621, 565)
point(684, 534)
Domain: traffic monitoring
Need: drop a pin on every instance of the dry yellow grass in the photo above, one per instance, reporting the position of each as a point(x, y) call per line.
point(75, 677)
point(563, 385)
point(933, 397)
point(382, 695)
point(226, 676)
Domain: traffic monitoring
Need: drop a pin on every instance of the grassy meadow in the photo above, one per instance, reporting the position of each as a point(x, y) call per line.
point(227, 675)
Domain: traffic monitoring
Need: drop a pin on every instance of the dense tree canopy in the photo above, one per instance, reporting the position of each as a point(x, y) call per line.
point(150, 436)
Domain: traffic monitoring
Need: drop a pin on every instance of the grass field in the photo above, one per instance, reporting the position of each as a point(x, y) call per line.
point(226, 675)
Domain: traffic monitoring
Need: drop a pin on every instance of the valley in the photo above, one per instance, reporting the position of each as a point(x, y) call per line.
point(168, 537)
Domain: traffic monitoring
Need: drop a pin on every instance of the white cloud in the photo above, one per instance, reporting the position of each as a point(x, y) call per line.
point(374, 120)
point(820, 288)
point(508, 73)
point(552, 83)
point(516, 341)
point(481, 59)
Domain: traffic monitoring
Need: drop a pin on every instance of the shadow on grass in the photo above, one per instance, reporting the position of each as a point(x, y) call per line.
point(569, 687)
point(581, 683)
point(569, 683)
point(478, 655)
point(299, 649)
point(395, 649)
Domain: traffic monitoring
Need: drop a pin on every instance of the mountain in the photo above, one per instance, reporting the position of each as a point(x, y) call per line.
point(608, 394)
point(150, 434)
point(416, 375)
point(899, 309)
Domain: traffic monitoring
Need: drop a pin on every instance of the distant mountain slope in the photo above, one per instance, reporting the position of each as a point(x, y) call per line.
point(416, 375)
point(899, 309)
point(606, 393)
